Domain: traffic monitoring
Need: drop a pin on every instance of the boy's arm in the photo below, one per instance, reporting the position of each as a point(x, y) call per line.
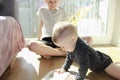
point(39, 15)
point(68, 62)
point(40, 29)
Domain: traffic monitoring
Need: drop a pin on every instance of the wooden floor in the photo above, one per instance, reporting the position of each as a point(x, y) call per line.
point(30, 66)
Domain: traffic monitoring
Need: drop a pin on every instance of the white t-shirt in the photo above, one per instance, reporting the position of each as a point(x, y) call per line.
point(49, 18)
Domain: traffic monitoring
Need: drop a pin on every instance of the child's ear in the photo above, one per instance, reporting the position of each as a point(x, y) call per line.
point(73, 38)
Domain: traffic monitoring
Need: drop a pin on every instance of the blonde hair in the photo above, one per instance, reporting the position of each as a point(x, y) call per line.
point(62, 30)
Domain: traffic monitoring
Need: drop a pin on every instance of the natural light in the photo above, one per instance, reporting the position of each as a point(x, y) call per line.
point(89, 16)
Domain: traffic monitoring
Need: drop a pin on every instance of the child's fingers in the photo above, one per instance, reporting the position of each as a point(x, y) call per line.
point(59, 71)
point(56, 70)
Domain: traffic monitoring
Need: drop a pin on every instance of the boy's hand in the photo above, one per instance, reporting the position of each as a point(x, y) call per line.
point(60, 71)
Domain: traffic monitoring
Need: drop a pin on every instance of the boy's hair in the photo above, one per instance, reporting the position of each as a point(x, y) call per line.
point(62, 30)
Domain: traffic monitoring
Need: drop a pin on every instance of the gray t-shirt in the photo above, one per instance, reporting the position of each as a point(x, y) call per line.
point(49, 18)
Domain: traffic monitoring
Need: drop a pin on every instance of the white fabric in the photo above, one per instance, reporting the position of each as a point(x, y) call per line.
point(49, 18)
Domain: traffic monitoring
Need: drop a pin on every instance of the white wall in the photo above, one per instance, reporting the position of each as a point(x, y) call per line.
point(116, 30)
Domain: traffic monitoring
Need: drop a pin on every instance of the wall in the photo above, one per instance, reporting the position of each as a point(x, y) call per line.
point(116, 31)
point(10, 8)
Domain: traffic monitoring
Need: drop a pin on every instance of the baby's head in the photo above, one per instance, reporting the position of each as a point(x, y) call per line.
point(65, 36)
point(52, 4)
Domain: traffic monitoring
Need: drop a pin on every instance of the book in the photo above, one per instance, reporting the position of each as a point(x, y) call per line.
point(62, 76)
point(56, 76)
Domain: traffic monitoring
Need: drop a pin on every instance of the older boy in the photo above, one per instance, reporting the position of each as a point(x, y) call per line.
point(48, 16)
point(65, 36)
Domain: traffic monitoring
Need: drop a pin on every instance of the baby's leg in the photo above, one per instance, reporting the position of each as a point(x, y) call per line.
point(113, 70)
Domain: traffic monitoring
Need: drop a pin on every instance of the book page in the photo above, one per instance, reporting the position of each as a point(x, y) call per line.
point(61, 76)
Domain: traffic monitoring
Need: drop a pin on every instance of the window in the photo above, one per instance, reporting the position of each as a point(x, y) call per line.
point(28, 18)
point(89, 16)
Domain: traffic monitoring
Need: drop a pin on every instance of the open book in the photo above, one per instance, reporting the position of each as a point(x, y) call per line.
point(56, 76)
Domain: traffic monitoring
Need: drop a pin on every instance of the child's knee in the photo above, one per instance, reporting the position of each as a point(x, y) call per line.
point(31, 46)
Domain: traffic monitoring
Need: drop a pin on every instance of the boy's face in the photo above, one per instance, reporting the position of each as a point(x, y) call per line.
point(52, 4)
point(66, 44)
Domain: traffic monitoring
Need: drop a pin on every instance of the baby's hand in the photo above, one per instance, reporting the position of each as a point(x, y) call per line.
point(60, 70)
